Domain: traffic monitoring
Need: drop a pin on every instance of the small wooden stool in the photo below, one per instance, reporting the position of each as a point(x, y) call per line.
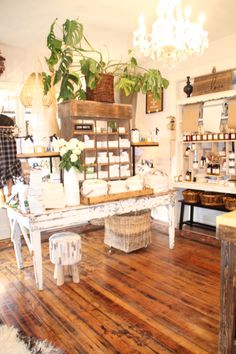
point(65, 250)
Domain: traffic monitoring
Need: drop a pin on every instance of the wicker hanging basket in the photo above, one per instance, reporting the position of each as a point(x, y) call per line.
point(34, 86)
point(128, 232)
point(104, 91)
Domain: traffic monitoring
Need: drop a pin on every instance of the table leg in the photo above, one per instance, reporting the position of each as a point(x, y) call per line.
point(35, 236)
point(171, 228)
point(16, 239)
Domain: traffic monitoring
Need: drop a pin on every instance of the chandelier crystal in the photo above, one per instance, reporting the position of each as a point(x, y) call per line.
point(173, 37)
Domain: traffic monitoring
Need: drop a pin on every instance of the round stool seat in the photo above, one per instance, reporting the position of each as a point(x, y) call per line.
point(65, 248)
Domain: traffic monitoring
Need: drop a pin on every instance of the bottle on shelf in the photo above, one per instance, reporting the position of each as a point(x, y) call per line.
point(202, 161)
point(209, 169)
point(187, 151)
point(188, 176)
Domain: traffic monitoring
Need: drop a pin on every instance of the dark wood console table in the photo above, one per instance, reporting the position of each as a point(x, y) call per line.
point(191, 221)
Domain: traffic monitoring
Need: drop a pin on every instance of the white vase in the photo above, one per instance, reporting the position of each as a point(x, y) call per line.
point(71, 187)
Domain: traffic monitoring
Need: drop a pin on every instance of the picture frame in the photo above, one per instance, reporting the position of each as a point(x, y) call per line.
point(152, 105)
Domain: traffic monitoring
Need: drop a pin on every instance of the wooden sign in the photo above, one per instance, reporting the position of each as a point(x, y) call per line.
point(215, 82)
point(153, 105)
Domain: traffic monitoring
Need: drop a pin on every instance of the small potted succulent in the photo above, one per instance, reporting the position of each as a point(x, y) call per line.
point(73, 60)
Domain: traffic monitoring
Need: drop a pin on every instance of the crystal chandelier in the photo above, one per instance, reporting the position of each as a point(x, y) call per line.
point(174, 37)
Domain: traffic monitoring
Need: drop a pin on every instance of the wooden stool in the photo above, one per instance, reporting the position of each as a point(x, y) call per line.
point(65, 250)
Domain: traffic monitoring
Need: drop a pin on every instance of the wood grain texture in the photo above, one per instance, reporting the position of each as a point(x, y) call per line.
point(117, 196)
point(95, 110)
point(155, 300)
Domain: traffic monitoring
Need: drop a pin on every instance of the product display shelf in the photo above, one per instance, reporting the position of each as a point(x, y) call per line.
point(105, 129)
point(200, 148)
point(208, 187)
point(140, 144)
point(198, 152)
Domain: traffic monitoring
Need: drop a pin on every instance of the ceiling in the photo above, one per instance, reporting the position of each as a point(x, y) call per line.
point(108, 24)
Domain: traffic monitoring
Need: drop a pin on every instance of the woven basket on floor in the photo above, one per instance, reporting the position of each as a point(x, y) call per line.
point(128, 232)
point(104, 91)
point(212, 199)
point(230, 203)
point(191, 196)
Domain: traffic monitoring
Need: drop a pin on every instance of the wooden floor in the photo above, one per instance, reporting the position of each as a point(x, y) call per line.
point(155, 300)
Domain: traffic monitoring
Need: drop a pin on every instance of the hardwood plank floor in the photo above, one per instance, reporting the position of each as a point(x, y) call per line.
point(155, 300)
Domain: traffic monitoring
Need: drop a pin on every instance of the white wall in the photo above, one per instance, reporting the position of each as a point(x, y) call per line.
point(222, 55)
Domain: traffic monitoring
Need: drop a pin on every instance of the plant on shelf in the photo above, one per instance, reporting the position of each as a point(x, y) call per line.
point(73, 60)
point(70, 152)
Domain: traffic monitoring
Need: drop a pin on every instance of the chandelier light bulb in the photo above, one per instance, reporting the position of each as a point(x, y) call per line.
point(187, 12)
point(174, 37)
point(201, 19)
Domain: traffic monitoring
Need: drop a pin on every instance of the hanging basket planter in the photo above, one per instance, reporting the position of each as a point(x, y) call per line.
point(104, 91)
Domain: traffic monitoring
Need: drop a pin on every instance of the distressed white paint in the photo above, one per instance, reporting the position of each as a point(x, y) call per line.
point(73, 216)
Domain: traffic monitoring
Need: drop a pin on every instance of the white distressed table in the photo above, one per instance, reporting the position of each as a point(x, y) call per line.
point(35, 224)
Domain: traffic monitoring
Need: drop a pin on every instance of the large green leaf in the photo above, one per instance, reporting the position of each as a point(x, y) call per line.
point(72, 32)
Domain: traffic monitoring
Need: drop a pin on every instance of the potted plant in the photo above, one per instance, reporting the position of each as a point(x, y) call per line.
point(73, 60)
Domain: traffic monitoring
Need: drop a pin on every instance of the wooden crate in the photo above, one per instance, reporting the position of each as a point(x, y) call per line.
point(113, 197)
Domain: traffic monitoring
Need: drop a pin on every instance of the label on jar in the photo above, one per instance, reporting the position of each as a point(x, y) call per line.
point(209, 136)
point(221, 136)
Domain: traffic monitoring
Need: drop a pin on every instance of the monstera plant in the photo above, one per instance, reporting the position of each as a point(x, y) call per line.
point(73, 61)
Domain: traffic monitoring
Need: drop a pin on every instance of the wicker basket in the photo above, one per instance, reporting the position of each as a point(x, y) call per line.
point(212, 199)
point(230, 203)
point(104, 91)
point(128, 232)
point(191, 196)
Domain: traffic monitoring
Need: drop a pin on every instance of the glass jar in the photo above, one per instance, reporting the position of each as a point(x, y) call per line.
point(209, 136)
point(226, 136)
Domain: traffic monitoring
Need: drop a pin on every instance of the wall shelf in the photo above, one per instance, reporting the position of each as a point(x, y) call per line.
point(207, 97)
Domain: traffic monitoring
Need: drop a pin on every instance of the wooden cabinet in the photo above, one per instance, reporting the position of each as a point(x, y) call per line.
point(105, 130)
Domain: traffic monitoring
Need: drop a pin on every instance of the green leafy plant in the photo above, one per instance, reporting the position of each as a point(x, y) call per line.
point(73, 59)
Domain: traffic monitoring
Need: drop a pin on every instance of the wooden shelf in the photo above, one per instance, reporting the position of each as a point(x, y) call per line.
point(143, 144)
point(94, 110)
point(207, 97)
point(38, 154)
point(208, 141)
point(211, 187)
point(98, 115)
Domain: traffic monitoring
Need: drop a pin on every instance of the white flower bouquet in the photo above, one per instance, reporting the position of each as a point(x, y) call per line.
point(70, 152)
